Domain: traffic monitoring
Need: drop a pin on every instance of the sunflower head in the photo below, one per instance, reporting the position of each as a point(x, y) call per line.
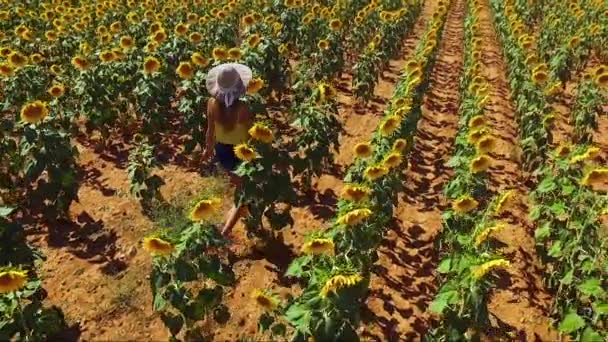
point(335, 24)
point(412, 65)
point(323, 44)
point(338, 282)
point(158, 246)
point(354, 217)
point(204, 209)
point(34, 112)
point(185, 70)
point(80, 63)
point(474, 136)
point(151, 65)
point(486, 144)
point(540, 76)
point(318, 246)
point(199, 60)
point(107, 56)
point(156, 26)
point(374, 172)
point(595, 177)
point(220, 54)
point(57, 90)
point(355, 193)
point(12, 280)
point(248, 20)
point(399, 145)
point(159, 36)
point(235, 53)
point(265, 299)
point(390, 125)
point(245, 152)
point(116, 27)
point(6, 70)
point(17, 60)
point(195, 37)
point(464, 204)
point(126, 42)
point(261, 133)
point(363, 150)
point(254, 40)
point(255, 85)
point(480, 164)
point(574, 42)
point(602, 79)
point(479, 271)
point(392, 160)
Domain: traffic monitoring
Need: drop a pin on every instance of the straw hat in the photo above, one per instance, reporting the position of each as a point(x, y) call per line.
point(225, 77)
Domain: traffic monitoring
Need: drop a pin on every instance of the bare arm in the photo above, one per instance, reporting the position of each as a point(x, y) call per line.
point(210, 135)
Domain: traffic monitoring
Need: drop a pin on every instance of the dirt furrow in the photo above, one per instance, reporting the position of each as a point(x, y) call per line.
point(520, 301)
point(402, 282)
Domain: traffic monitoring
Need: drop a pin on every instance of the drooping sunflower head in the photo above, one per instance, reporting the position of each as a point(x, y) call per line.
point(126, 42)
point(195, 37)
point(595, 177)
point(355, 192)
point(151, 65)
point(392, 160)
point(158, 246)
point(204, 209)
point(374, 172)
point(323, 44)
point(57, 90)
point(592, 152)
point(261, 133)
point(354, 217)
point(399, 145)
point(480, 164)
point(363, 150)
point(390, 125)
point(199, 60)
point(34, 112)
point(335, 24)
point(319, 246)
point(265, 299)
point(6, 70)
point(12, 280)
point(185, 70)
point(245, 152)
point(254, 40)
point(338, 282)
point(503, 201)
point(486, 144)
point(479, 271)
point(235, 53)
point(464, 204)
point(16, 59)
point(486, 232)
point(255, 85)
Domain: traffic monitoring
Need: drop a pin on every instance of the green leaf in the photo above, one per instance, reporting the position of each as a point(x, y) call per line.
point(443, 300)
point(159, 302)
point(590, 335)
point(543, 231)
point(279, 329)
point(571, 323)
point(445, 266)
point(567, 279)
point(296, 268)
point(556, 250)
point(185, 271)
point(173, 322)
point(6, 211)
point(299, 316)
point(592, 287)
point(558, 208)
point(265, 322)
point(546, 185)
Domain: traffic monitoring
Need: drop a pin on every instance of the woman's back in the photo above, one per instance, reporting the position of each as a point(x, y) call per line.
point(231, 123)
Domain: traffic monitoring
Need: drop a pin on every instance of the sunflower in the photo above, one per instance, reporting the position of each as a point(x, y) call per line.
point(156, 26)
point(158, 246)
point(6, 70)
point(476, 122)
point(590, 153)
point(151, 47)
point(602, 80)
point(338, 282)
point(220, 54)
point(195, 37)
point(595, 177)
point(199, 60)
point(284, 49)
point(318, 246)
point(80, 63)
point(480, 164)
point(5, 51)
point(392, 160)
point(126, 42)
point(355, 193)
point(390, 125)
point(363, 150)
point(308, 18)
point(399, 145)
point(51, 35)
point(248, 20)
point(254, 40)
point(503, 201)
point(335, 24)
point(563, 150)
point(481, 270)
point(412, 65)
point(486, 144)
point(151, 65)
point(180, 29)
point(185, 70)
point(16, 59)
point(12, 280)
point(261, 133)
point(265, 299)
point(354, 217)
point(204, 209)
point(539, 76)
point(464, 204)
point(474, 136)
point(574, 42)
point(486, 232)
point(20, 30)
point(374, 172)
point(235, 53)
point(107, 56)
point(323, 44)
point(548, 120)
point(57, 90)
point(255, 85)
point(192, 18)
point(245, 152)
point(34, 112)
point(159, 36)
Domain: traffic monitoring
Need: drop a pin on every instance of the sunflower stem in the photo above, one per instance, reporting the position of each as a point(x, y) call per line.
point(22, 319)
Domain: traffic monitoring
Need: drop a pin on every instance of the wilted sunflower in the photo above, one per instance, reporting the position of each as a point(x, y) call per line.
point(392, 160)
point(199, 60)
point(255, 85)
point(34, 112)
point(195, 37)
point(374, 172)
point(480, 164)
point(354, 217)
point(464, 204)
point(338, 282)
point(399, 145)
point(12, 280)
point(220, 54)
point(355, 192)
point(335, 24)
point(486, 144)
point(151, 65)
point(261, 133)
point(185, 70)
point(363, 150)
point(57, 90)
point(254, 40)
point(318, 246)
point(245, 152)
point(158, 246)
point(479, 271)
point(204, 209)
point(390, 125)
point(265, 299)
point(6, 70)
point(595, 177)
point(16, 59)
point(323, 44)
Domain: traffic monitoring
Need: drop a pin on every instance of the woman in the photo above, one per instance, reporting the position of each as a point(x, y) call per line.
point(228, 122)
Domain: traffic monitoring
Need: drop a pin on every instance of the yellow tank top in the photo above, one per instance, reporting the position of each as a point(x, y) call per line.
point(237, 135)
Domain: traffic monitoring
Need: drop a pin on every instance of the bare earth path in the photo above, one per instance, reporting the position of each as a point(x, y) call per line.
point(520, 301)
point(402, 286)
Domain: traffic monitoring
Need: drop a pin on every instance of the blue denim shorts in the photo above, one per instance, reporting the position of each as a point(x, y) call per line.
point(224, 154)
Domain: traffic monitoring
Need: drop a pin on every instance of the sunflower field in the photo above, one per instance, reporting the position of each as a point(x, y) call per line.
point(416, 170)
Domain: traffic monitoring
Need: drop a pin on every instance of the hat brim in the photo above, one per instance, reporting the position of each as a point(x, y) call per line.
point(244, 72)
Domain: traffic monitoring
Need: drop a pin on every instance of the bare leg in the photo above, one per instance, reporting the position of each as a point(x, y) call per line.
point(236, 212)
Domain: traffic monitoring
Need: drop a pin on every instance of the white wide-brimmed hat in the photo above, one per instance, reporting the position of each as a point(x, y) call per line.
point(225, 77)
